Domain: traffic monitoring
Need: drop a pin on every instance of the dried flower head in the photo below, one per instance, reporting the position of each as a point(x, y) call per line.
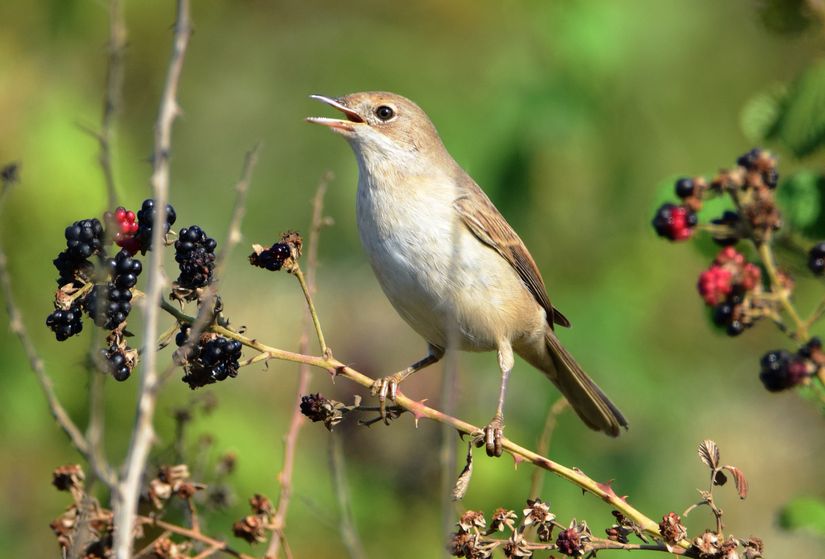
point(517, 546)
point(537, 512)
point(572, 540)
point(261, 505)
point(753, 548)
point(502, 518)
point(472, 520)
point(671, 528)
point(250, 528)
point(707, 544)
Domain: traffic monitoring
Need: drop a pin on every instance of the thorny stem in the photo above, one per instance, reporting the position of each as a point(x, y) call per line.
point(337, 369)
point(297, 420)
point(143, 431)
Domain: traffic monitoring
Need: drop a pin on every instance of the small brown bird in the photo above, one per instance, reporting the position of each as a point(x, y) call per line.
point(448, 261)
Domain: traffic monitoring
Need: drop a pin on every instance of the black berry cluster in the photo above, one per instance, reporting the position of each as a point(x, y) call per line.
point(66, 323)
point(760, 162)
point(195, 255)
point(816, 259)
point(146, 222)
point(117, 363)
point(116, 294)
point(84, 238)
point(213, 359)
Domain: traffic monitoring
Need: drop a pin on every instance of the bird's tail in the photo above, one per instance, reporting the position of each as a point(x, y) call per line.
point(587, 399)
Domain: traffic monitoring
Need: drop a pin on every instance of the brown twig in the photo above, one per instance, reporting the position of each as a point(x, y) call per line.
point(349, 534)
point(112, 98)
point(297, 420)
point(193, 535)
point(143, 431)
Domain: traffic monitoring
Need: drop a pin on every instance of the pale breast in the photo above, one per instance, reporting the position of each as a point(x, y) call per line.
point(436, 274)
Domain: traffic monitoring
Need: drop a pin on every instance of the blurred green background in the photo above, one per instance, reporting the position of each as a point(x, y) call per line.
point(571, 114)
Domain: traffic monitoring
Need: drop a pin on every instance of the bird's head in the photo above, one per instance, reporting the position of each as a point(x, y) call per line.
point(382, 125)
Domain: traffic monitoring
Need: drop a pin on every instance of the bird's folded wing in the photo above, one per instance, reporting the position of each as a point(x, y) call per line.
point(490, 227)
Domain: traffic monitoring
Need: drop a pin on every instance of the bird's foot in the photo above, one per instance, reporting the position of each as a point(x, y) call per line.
point(384, 388)
point(490, 437)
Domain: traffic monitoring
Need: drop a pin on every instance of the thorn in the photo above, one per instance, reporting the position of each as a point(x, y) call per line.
point(517, 459)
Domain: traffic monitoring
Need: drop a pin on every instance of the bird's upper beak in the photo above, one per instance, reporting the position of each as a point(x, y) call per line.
point(338, 125)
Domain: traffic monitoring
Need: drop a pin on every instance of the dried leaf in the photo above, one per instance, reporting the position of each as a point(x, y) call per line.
point(463, 481)
point(719, 478)
point(739, 480)
point(709, 453)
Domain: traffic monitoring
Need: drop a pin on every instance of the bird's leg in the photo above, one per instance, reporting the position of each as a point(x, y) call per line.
point(388, 386)
point(493, 432)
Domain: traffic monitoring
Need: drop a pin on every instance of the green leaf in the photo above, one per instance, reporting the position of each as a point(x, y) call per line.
point(801, 198)
point(801, 125)
point(761, 113)
point(804, 513)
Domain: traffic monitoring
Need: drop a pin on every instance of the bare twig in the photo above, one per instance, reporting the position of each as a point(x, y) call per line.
point(143, 431)
point(297, 420)
point(111, 101)
point(347, 527)
point(99, 466)
point(543, 446)
point(192, 535)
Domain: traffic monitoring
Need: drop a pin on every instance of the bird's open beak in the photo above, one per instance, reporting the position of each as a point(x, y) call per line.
point(348, 125)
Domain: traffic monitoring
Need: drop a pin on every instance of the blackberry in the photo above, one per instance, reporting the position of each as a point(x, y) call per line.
point(816, 258)
point(684, 188)
point(735, 328)
point(272, 258)
point(117, 364)
point(116, 293)
point(84, 238)
point(674, 222)
point(146, 222)
point(212, 361)
point(66, 324)
point(195, 255)
point(730, 219)
point(781, 370)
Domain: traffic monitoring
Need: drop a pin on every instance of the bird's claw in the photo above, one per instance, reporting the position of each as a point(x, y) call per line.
point(384, 388)
point(491, 436)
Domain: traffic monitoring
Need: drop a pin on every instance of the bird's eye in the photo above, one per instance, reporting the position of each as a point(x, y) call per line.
point(384, 112)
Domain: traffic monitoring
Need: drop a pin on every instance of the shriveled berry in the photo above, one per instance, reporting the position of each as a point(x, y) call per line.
point(272, 258)
point(212, 361)
point(731, 220)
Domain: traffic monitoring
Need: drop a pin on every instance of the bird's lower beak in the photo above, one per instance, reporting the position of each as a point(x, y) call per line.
point(338, 125)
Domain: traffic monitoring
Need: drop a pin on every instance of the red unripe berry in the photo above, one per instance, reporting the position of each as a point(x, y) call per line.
point(120, 213)
point(130, 216)
point(751, 276)
point(714, 285)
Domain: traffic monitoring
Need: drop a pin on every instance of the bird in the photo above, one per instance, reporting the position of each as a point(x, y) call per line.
point(449, 262)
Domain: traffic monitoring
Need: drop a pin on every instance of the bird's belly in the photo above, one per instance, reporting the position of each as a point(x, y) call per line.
point(448, 286)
